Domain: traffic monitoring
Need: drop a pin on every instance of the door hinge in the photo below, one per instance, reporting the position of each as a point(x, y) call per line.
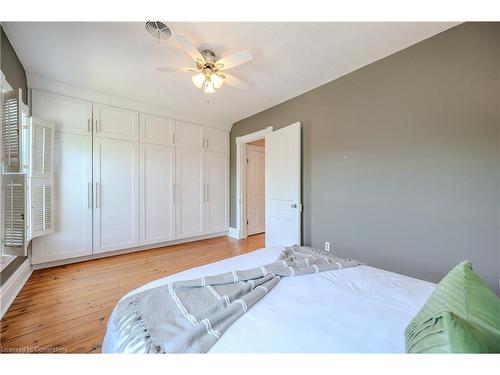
point(247, 160)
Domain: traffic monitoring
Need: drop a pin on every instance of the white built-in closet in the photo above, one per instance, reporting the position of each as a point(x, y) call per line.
point(125, 180)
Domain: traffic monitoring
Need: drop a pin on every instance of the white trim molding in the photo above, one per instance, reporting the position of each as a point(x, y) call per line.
point(11, 288)
point(241, 168)
point(234, 233)
point(107, 254)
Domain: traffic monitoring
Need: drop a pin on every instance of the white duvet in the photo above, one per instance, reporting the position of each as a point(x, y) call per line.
point(354, 310)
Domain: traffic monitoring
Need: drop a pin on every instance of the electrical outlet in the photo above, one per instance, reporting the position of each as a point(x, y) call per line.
point(327, 246)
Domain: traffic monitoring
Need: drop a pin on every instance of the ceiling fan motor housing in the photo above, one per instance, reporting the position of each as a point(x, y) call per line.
point(209, 56)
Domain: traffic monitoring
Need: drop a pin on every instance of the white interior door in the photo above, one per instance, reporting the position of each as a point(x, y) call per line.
point(255, 190)
point(283, 205)
point(72, 235)
point(116, 195)
point(216, 194)
point(156, 187)
point(189, 192)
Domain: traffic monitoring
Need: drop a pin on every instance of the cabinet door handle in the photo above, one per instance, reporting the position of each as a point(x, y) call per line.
point(89, 194)
point(208, 197)
point(88, 125)
point(174, 200)
point(206, 142)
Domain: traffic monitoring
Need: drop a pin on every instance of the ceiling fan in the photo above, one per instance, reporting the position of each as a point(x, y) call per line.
point(210, 72)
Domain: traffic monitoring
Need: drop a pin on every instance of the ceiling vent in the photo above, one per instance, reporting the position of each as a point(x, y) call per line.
point(159, 30)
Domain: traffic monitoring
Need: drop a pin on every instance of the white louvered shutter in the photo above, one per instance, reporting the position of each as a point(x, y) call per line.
point(11, 133)
point(42, 207)
point(13, 220)
point(42, 143)
point(41, 182)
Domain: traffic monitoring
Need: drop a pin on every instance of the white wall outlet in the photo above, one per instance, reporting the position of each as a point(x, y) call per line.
point(327, 246)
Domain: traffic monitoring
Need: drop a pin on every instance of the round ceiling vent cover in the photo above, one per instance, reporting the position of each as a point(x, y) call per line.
point(158, 30)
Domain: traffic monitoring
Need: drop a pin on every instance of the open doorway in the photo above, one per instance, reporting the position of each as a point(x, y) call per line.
point(250, 180)
point(255, 187)
point(277, 207)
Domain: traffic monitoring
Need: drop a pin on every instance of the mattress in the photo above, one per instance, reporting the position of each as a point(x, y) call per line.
point(354, 310)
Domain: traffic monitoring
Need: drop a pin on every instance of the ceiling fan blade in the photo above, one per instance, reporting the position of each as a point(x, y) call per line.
point(189, 48)
point(173, 69)
point(235, 82)
point(233, 60)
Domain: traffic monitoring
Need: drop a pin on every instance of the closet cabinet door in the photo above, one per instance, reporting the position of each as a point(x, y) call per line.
point(69, 115)
point(189, 135)
point(72, 235)
point(116, 195)
point(157, 166)
point(156, 129)
point(115, 123)
point(216, 140)
point(216, 198)
point(189, 192)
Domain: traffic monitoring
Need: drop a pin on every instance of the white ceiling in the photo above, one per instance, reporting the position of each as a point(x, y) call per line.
point(119, 58)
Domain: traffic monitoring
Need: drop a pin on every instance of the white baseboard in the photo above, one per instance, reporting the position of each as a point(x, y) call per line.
point(125, 251)
point(11, 288)
point(234, 233)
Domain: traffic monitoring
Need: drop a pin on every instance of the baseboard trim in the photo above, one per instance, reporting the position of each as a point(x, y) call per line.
point(234, 233)
point(126, 251)
point(11, 288)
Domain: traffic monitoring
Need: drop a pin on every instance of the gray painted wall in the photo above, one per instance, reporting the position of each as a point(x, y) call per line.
point(401, 158)
point(16, 76)
point(12, 67)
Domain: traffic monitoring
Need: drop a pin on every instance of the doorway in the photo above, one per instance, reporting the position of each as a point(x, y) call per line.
point(278, 207)
point(255, 186)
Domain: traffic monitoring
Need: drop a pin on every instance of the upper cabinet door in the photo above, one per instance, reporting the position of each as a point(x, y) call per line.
point(156, 130)
point(69, 115)
point(115, 123)
point(189, 135)
point(216, 140)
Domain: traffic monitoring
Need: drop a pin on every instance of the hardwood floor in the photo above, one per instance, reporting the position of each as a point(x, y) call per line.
point(66, 308)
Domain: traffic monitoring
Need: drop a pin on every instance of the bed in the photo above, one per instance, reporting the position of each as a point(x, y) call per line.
point(354, 310)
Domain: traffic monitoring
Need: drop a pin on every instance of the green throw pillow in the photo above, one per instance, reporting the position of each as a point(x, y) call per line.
point(461, 316)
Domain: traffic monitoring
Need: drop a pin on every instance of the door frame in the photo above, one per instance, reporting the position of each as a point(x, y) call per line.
point(241, 172)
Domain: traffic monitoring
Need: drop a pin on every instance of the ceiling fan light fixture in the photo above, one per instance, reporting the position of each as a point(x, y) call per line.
point(198, 80)
point(209, 87)
point(217, 80)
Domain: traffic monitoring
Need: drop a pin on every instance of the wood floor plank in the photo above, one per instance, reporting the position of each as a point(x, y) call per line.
point(65, 309)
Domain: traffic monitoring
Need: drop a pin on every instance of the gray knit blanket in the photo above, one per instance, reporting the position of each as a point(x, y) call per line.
point(190, 316)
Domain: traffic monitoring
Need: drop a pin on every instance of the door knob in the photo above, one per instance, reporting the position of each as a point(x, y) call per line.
point(293, 205)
